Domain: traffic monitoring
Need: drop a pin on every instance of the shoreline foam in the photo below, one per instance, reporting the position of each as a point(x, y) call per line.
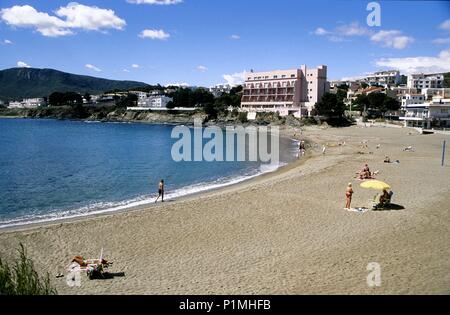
point(105, 208)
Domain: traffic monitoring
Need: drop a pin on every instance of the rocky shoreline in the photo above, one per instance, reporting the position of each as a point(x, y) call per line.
point(170, 117)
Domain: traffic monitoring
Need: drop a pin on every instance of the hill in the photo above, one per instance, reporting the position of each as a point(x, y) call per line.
point(19, 83)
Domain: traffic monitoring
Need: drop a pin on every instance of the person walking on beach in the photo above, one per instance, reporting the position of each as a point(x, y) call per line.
point(160, 191)
point(348, 195)
point(302, 148)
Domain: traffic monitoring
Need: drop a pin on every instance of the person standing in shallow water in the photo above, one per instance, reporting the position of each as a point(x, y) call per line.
point(160, 191)
point(348, 195)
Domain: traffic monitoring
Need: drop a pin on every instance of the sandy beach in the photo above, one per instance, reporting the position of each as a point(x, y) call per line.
point(281, 233)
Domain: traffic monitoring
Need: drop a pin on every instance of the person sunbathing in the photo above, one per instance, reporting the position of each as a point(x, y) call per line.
point(83, 263)
point(365, 173)
point(387, 159)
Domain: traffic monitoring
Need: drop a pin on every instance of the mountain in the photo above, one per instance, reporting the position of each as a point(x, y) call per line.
point(19, 83)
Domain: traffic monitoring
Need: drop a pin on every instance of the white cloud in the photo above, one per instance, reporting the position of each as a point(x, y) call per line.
point(77, 16)
point(202, 68)
point(22, 64)
point(154, 34)
point(339, 33)
point(388, 38)
point(352, 29)
point(392, 39)
point(7, 42)
point(441, 41)
point(90, 18)
point(126, 70)
point(92, 67)
point(235, 37)
point(445, 25)
point(353, 78)
point(135, 66)
point(321, 31)
point(235, 78)
point(27, 16)
point(158, 2)
point(423, 64)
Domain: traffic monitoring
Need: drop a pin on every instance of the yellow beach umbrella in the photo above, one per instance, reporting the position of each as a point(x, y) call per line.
point(375, 184)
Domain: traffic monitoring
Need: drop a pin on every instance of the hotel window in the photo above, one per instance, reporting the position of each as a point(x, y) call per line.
point(283, 76)
point(275, 77)
point(292, 75)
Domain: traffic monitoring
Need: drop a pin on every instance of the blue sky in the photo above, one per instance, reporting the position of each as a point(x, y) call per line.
point(205, 42)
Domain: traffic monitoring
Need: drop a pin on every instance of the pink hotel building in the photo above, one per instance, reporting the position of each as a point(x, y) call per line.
point(285, 91)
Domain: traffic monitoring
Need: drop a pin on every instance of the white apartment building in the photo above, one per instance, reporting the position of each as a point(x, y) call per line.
point(287, 92)
point(219, 89)
point(426, 81)
point(408, 99)
point(15, 105)
point(384, 78)
point(435, 113)
point(155, 101)
point(430, 93)
point(142, 96)
point(28, 103)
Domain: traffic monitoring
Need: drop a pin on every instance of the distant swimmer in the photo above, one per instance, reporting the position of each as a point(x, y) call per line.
point(160, 191)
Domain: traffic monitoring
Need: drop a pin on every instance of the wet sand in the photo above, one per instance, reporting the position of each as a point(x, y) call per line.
point(281, 233)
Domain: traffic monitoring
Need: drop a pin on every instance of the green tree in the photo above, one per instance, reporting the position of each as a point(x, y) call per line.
point(242, 117)
point(72, 98)
point(364, 85)
point(341, 95)
point(330, 106)
point(211, 110)
point(170, 105)
point(376, 100)
point(360, 103)
point(56, 99)
point(447, 80)
point(389, 104)
point(129, 101)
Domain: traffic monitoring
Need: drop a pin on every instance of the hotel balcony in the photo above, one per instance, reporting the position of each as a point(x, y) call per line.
point(266, 92)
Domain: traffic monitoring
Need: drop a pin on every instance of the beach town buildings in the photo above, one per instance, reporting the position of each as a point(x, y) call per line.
point(28, 103)
point(294, 91)
point(151, 100)
point(383, 78)
point(408, 99)
point(432, 92)
point(432, 114)
point(156, 101)
point(425, 81)
point(219, 89)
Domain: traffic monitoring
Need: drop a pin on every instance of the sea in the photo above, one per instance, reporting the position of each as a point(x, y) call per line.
point(60, 169)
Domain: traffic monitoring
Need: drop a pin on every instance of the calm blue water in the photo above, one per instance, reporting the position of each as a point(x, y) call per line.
point(52, 169)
